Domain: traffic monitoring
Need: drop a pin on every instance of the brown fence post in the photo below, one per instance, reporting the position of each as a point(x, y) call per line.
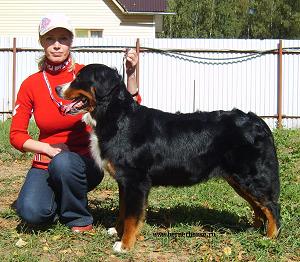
point(14, 72)
point(279, 113)
point(138, 63)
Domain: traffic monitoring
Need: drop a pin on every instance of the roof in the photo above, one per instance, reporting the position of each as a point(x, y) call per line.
point(153, 6)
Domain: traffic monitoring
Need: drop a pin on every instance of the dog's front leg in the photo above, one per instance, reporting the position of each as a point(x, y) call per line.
point(133, 212)
point(131, 226)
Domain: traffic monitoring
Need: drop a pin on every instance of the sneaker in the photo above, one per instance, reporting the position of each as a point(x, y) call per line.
point(80, 229)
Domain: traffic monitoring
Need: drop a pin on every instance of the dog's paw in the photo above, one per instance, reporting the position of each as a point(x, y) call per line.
point(112, 231)
point(117, 247)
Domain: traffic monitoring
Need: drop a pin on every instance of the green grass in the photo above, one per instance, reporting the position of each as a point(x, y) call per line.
point(7, 152)
point(209, 207)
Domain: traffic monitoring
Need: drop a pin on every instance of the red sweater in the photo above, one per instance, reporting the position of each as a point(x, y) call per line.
point(34, 98)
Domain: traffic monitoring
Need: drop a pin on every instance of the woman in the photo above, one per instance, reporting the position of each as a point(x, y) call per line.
point(62, 171)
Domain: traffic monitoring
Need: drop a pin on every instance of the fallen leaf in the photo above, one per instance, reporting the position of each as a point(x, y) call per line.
point(80, 253)
point(227, 251)
point(54, 238)
point(204, 248)
point(141, 238)
point(240, 256)
point(65, 251)
point(21, 243)
point(217, 259)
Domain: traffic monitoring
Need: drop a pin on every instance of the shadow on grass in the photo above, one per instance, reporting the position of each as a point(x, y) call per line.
point(209, 219)
point(25, 228)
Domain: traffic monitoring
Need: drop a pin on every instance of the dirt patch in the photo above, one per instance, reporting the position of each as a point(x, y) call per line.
point(11, 178)
point(14, 169)
point(8, 223)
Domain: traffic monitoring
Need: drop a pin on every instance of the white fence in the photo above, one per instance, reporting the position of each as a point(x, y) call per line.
point(203, 74)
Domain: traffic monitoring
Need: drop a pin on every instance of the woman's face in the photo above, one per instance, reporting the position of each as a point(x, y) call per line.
point(57, 44)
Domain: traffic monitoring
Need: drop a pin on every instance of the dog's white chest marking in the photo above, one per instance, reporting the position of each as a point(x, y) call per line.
point(95, 150)
point(87, 118)
point(94, 142)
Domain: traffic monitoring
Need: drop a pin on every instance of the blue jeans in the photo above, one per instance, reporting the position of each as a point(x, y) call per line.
point(61, 190)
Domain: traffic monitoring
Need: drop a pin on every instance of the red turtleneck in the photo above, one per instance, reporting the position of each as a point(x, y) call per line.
point(34, 98)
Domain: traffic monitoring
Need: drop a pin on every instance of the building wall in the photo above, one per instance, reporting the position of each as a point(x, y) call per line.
point(21, 18)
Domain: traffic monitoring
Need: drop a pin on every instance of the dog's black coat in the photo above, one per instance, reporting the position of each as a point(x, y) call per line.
point(148, 147)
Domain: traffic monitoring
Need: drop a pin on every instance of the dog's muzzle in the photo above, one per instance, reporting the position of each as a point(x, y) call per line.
point(76, 106)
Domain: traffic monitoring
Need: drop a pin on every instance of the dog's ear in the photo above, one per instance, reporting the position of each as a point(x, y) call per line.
point(105, 81)
point(118, 81)
point(123, 91)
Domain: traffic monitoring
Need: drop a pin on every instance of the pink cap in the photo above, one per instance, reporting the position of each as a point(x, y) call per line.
point(51, 21)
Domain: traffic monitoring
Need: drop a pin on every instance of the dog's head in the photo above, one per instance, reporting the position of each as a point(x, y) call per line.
point(93, 84)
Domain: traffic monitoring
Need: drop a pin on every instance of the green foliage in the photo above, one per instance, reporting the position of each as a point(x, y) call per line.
point(288, 149)
point(233, 19)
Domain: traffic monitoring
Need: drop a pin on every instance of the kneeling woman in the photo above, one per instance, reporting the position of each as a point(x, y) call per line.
point(62, 171)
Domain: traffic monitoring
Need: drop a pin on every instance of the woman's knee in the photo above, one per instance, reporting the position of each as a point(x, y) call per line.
point(64, 165)
point(63, 161)
point(33, 214)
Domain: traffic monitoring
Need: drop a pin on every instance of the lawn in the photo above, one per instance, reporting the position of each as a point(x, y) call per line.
point(206, 222)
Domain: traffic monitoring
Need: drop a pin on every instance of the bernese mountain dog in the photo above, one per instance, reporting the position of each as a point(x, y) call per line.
point(143, 147)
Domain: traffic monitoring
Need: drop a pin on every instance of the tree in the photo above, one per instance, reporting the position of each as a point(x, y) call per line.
point(233, 19)
point(193, 19)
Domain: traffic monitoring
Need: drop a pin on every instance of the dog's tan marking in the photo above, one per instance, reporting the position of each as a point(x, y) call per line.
point(132, 226)
point(109, 167)
point(272, 230)
point(71, 93)
point(261, 213)
point(259, 216)
point(130, 232)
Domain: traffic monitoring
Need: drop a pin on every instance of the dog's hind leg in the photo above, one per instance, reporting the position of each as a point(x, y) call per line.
point(264, 210)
